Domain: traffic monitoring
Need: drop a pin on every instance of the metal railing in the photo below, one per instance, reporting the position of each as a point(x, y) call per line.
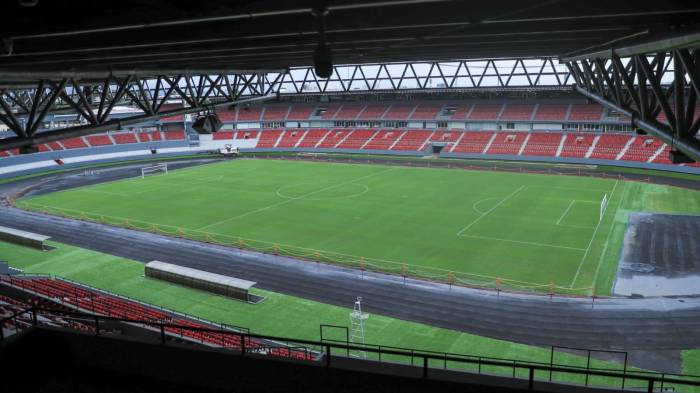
point(326, 351)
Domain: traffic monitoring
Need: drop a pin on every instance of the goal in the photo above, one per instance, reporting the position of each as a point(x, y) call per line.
point(603, 206)
point(147, 170)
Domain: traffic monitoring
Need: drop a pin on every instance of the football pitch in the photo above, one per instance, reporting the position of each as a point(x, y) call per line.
point(494, 229)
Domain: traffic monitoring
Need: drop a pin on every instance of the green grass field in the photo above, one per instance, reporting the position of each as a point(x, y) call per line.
point(288, 316)
point(520, 231)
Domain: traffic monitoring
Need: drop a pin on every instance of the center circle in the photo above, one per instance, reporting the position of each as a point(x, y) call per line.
point(306, 191)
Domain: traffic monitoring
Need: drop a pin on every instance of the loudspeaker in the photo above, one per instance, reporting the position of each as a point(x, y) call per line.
point(207, 124)
point(323, 62)
point(678, 157)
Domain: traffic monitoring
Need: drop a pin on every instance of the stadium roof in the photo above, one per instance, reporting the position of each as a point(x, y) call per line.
point(165, 35)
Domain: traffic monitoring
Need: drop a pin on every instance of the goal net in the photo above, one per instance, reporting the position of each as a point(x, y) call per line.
point(603, 206)
point(158, 168)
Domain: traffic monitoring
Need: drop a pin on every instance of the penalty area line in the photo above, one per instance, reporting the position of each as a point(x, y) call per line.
point(565, 211)
point(490, 210)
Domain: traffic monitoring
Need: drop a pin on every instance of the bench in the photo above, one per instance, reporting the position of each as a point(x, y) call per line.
point(198, 279)
point(24, 238)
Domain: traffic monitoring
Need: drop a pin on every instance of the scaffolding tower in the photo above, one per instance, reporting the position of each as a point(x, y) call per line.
point(357, 323)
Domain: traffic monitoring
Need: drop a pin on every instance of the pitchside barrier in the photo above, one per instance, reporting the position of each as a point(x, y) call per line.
point(518, 374)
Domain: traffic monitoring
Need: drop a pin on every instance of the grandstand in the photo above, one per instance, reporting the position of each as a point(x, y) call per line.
point(570, 132)
point(371, 196)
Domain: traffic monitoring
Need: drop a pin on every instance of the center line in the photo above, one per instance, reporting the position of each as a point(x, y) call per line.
point(292, 199)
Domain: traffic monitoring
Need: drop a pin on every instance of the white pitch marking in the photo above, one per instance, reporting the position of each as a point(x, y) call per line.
point(523, 242)
point(355, 195)
point(578, 270)
point(291, 200)
point(565, 211)
point(477, 203)
point(597, 268)
point(490, 210)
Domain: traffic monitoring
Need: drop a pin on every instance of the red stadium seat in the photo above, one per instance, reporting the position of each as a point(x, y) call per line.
point(609, 146)
point(383, 140)
point(586, 112)
point(399, 112)
point(291, 137)
point(356, 139)
point(74, 143)
point(99, 140)
point(577, 145)
point(507, 143)
point(551, 112)
point(313, 137)
point(542, 144)
point(124, 138)
point(517, 112)
point(473, 142)
point(372, 112)
point(485, 112)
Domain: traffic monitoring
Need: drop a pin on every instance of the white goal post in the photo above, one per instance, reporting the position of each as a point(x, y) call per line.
point(147, 170)
point(603, 206)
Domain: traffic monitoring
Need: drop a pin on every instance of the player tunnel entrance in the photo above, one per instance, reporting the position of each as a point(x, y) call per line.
point(435, 148)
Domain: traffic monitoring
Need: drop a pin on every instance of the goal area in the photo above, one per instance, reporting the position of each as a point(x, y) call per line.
point(154, 169)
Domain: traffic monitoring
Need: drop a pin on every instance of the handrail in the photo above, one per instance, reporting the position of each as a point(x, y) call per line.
point(425, 356)
point(374, 348)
